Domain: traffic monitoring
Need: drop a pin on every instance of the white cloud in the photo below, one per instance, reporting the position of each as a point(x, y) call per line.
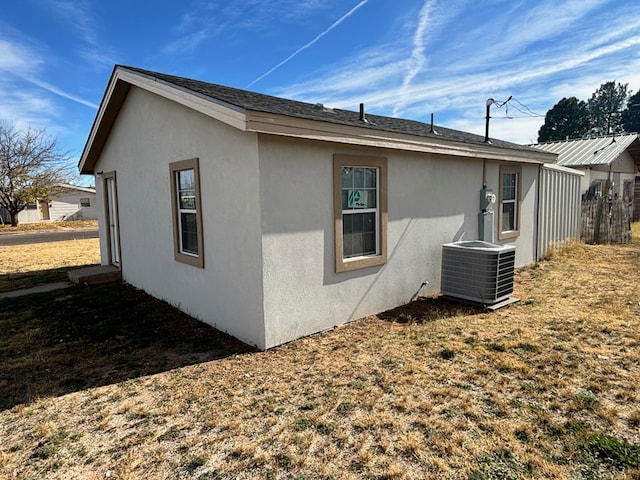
point(417, 60)
point(545, 55)
point(17, 59)
point(80, 16)
point(204, 20)
point(20, 65)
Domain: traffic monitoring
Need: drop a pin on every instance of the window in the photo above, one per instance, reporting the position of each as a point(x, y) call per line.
point(85, 202)
point(627, 190)
point(360, 211)
point(509, 214)
point(187, 215)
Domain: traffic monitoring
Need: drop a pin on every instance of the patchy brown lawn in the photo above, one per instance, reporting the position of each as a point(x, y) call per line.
point(24, 266)
point(48, 226)
point(546, 388)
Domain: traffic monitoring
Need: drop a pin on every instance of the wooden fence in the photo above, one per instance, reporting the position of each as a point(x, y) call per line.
point(605, 221)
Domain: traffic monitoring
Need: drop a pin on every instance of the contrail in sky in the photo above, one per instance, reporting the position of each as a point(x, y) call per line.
point(417, 55)
point(312, 42)
point(61, 93)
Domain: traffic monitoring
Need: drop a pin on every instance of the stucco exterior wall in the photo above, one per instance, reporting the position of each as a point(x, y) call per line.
point(431, 201)
point(526, 242)
point(151, 132)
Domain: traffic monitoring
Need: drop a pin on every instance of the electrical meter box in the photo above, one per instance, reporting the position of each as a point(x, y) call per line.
point(487, 199)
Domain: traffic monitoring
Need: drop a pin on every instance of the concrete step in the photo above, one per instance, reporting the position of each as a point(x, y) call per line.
point(95, 275)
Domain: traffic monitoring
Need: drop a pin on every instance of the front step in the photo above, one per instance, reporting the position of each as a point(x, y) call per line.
point(95, 275)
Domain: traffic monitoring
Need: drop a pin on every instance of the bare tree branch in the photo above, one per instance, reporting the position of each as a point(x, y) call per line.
point(31, 168)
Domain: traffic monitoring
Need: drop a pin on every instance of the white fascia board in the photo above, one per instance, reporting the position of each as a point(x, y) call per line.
point(226, 113)
point(273, 124)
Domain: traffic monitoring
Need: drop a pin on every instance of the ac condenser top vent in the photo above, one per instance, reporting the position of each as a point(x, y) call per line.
point(477, 271)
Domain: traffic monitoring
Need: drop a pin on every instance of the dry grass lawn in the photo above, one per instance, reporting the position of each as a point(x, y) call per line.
point(546, 388)
point(48, 226)
point(23, 266)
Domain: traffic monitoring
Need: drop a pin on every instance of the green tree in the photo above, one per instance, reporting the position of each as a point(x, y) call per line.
point(631, 115)
point(31, 168)
point(569, 118)
point(605, 107)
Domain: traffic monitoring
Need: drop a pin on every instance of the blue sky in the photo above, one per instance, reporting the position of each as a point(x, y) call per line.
point(406, 58)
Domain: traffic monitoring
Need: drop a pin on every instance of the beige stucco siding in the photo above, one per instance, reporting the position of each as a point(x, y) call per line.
point(431, 201)
point(151, 132)
point(526, 241)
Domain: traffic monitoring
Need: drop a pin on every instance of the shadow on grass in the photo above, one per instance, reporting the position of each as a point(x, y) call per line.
point(429, 309)
point(68, 340)
point(17, 281)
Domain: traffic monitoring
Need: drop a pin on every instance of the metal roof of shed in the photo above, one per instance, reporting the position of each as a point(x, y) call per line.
point(584, 152)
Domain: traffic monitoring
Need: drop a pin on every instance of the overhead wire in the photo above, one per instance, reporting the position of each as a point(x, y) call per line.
point(526, 111)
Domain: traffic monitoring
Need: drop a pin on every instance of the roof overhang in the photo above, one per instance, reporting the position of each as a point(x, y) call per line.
point(594, 151)
point(558, 168)
point(115, 95)
point(274, 124)
point(68, 186)
point(122, 79)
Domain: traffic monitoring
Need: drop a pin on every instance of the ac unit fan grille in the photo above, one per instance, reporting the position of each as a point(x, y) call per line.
point(481, 274)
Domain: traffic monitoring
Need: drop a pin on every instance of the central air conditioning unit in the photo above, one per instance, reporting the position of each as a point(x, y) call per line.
point(477, 271)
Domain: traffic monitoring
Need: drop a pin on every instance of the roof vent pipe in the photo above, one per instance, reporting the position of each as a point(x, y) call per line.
point(431, 130)
point(363, 118)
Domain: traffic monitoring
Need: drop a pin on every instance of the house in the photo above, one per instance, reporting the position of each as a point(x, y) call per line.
point(272, 219)
point(611, 164)
point(68, 202)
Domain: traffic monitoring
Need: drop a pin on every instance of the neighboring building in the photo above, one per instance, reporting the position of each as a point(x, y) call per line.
point(611, 164)
point(69, 202)
point(272, 219)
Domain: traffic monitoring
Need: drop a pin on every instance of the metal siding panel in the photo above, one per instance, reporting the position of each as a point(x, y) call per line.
point(559, 208)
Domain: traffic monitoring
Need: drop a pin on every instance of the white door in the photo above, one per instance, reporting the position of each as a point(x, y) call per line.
point(113, 232)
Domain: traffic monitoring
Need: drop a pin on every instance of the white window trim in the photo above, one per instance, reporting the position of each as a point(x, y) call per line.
point(193, 211)
point(180, 255)
point(380, 257)
point(510, 169)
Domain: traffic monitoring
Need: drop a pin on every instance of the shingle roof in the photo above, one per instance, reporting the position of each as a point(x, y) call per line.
point(584, 152)
point(247, 100)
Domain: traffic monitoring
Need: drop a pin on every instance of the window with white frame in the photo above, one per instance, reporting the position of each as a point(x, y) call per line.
point(360, 211)
point(509, 214)
point(85, 202)
point(187, 215)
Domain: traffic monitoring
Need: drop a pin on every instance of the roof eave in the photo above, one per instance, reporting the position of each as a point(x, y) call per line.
point(283, 125)
point(122, 79)
point(110, 105)
point(69, 186)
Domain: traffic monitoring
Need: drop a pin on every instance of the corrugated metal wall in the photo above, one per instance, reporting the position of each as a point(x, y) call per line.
point(559, 208)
